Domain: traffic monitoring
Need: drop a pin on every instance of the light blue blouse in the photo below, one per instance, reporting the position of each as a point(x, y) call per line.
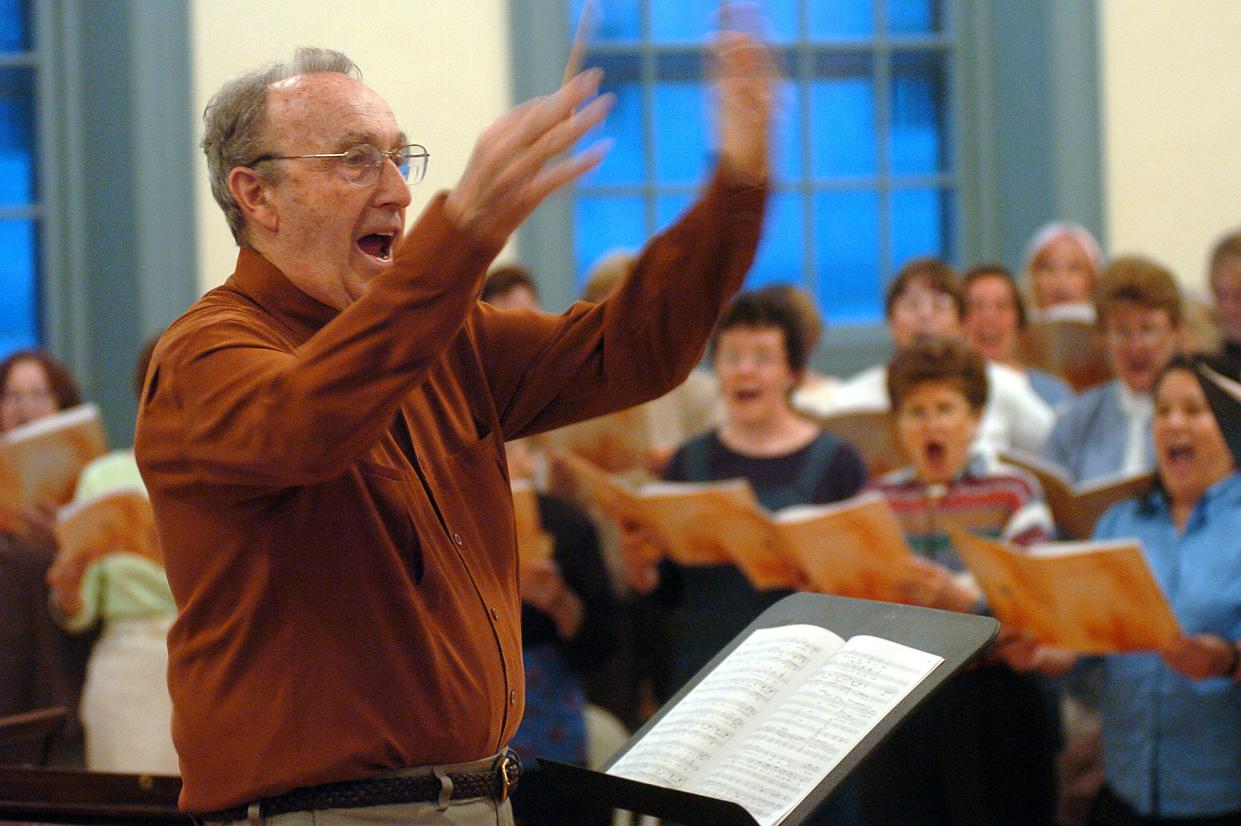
point(1172, 745)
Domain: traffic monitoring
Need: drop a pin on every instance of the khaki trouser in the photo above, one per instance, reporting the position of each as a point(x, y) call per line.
point(473, 811)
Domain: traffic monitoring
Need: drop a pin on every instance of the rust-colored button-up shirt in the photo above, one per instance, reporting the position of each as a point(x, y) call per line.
point(333, 501)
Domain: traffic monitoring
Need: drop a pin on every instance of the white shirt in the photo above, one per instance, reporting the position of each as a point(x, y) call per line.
point(1139, 409)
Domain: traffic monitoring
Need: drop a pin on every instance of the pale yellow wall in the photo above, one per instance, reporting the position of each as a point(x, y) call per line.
point(1171, 90)
point(444, 67)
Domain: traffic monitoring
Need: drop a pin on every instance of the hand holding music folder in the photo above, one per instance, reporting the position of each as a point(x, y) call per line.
point(772, 726)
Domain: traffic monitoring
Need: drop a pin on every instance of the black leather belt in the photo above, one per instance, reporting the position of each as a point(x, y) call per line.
point(497, 783)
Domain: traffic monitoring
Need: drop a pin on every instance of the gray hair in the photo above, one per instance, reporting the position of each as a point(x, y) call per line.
point(234, 122)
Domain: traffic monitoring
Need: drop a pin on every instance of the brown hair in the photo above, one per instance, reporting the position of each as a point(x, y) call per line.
point(64, 386)
point(937, 274)
point(1227, 251)
point(606, 273)
point(938, 359)
point(1001, 272)
point(1133, 279)
point(766, 307)
point(504, 279)
point(803, 303)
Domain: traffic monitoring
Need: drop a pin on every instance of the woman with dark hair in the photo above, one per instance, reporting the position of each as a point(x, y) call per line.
point(759, 354)
point(994, 319)
point(33, 384)
point(1172, 718)
point(41, 665)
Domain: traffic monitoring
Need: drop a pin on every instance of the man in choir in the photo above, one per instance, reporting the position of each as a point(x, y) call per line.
point(1225, 277)
point(924, 300)
point(323, 435)
point(1107, 430)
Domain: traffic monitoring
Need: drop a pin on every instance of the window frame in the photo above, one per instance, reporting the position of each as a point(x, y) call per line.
point(1023, 107)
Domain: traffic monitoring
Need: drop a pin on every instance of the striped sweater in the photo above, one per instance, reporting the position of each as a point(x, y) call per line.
point(986, 498)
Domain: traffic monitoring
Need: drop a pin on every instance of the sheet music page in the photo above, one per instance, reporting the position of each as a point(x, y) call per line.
point(729, 703)
point(790, 753)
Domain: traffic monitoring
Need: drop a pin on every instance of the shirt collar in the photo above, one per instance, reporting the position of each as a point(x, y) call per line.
point(272, 290)
point(1134, 405)
point(1225, 494)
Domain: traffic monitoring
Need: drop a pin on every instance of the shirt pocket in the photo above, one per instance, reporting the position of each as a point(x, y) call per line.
point(390, 492)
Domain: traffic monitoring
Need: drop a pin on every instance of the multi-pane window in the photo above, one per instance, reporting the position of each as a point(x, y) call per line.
point(19, 198)
point(864, 166)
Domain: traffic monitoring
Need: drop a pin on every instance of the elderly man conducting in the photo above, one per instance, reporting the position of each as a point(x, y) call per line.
point(323, 436)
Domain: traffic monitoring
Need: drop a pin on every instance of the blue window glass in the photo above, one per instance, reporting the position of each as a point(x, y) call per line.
point(842, 125)
point(681, 121)
point(14, 26)
point(782, 252)
point(865, 217)
point(18, 301)
point(837, 19)
point(615, 20)
point(917, 136)
point(626, 160)
point(914, 16)
point(782, 20)
point(669, 207)
point(16, 137)
point(788, 159)
point(692, 21)
point(920, 224)
point(685, 21)
point(603, 223)
point(846, 226)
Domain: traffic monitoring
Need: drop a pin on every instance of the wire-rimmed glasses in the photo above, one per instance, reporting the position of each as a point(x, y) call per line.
point(360, 165)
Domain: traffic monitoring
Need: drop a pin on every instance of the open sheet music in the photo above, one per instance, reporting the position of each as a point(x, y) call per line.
point(766, 726)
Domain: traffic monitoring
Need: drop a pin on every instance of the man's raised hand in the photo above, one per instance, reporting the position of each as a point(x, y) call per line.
point(744, 73)
point(515, 163)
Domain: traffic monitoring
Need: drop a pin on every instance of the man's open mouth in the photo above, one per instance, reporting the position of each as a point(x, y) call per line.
point(377, 245)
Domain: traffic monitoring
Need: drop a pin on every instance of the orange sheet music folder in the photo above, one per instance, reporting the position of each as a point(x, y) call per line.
point(41, 460)
point(1088, 597)
point(120, 520)
point(851, 548)
point(533, 543)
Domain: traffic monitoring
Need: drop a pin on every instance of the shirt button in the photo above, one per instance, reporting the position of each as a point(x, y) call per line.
point(456, 537)
point(512, 697)
point(495, 615)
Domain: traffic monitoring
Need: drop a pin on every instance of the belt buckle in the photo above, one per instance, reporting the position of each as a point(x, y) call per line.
point(508, 770)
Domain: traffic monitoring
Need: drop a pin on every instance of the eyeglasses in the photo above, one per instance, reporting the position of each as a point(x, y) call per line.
point(917, 300)
point(360, 165)
point(1148, 334)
